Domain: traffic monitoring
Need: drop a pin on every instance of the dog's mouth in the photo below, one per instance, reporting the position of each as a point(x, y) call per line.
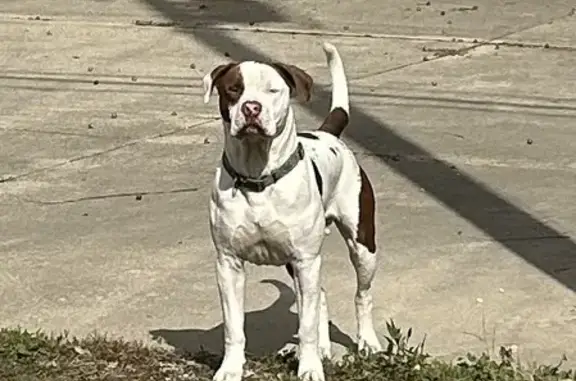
point(252, 129)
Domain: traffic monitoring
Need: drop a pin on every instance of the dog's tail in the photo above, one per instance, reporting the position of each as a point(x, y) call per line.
point(337, 120)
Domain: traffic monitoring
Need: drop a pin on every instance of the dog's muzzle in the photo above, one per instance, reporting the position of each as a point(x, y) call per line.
point(251, 110)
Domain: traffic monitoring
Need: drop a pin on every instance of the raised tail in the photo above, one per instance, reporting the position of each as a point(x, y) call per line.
point(338, 118)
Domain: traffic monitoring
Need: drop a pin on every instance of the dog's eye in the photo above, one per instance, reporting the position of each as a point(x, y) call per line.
point(234, 89)
point(274, 91)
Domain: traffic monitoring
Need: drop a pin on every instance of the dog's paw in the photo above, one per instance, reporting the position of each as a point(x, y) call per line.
point(228, 375)
point(325, 350)
point(310, 369)
point(229, 371)
point(311, 375)
point(369, 343)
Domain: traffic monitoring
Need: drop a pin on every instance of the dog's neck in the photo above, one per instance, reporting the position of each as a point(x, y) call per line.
point(259, 157)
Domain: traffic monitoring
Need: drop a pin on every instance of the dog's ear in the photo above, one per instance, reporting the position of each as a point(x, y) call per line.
point(211, 79)
point(299, 82)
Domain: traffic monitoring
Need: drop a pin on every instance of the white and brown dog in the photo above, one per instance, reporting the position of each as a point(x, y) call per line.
point(275, 193)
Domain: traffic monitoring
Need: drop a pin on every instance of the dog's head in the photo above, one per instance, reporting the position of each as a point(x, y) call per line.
point(255, 97)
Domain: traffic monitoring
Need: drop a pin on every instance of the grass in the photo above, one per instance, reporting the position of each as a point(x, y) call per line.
point(27, 356)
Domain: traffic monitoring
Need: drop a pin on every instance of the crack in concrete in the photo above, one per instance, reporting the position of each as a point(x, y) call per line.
point(64, 133)
point(91, 81)
point(535, 238)
point(507, 102)
point(461, 51)
point(101, 153)
point(23, 73)
point(138, 196)
point(383, 36)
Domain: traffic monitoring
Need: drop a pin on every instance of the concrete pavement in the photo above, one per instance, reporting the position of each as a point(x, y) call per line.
point(107, 153)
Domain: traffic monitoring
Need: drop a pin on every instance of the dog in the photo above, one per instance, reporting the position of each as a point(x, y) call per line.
point(275, 193)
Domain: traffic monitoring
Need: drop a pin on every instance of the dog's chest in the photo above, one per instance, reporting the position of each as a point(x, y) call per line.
point(260, 235)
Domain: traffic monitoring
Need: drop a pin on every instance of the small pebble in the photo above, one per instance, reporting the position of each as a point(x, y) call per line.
point(428, 3)
point(546, 45)
point(138, 197)
point(202, 6)
point(346, 27)
point(529, 141)
point(327, 231)
point(496, 47)
point(85, 214)
point(425, 59)
point(192, 66)
point(174, 113)
point(90, 69)
point(133, 78)
point(501, 290)
point(479, 300)
point(206, 141)
point(251, 23)
point(90, 126)
point(76, 57)
point(226, 54)
point(114, 115)
point(442, 13)
point(96, 82)
point(49, 33)
point(434, 83)
point(459, 232)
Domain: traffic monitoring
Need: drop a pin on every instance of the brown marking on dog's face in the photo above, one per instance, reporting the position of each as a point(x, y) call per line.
point(227, 79)
point(335, 122)
point(299, 82)
point(366, 224)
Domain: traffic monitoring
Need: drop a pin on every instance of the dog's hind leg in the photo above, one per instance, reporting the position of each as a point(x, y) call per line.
point(324, 344)
point(356, 224)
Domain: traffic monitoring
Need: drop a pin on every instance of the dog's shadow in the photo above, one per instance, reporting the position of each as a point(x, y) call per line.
point(267, 331)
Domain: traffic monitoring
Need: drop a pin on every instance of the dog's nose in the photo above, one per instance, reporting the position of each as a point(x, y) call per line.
point(251, 108)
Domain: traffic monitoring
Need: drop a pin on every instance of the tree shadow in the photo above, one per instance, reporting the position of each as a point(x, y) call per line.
point(267, 330)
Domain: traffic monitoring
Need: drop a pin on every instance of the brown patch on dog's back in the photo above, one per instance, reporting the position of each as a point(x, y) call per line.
point(366, 223)
point(230, 85)
point(335, 122)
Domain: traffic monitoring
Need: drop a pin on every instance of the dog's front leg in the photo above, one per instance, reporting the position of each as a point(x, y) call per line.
point(307, 273)
point(231, 278)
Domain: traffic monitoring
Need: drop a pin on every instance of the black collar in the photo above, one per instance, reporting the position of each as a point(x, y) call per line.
point(258, 184)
